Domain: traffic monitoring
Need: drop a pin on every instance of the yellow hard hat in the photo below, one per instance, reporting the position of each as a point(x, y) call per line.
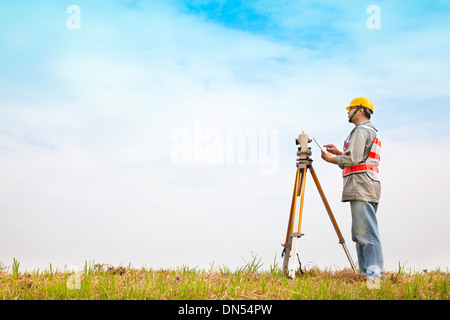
point(366, 103)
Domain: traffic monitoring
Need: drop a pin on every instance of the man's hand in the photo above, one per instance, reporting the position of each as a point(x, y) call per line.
point(332, 149)
point(328, 157)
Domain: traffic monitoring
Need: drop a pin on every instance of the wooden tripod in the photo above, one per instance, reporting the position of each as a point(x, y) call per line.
point(292, 236)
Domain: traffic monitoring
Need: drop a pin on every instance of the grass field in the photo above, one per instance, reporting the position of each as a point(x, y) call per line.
point(99, 281)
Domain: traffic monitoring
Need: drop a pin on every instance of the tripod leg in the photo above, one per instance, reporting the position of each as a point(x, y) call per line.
point(333, 220)
point(290, 246)
point(302, 190)
point(292, 214)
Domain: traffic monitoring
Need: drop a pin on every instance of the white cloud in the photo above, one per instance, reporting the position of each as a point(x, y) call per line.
point(414, 210)
point(89, 169)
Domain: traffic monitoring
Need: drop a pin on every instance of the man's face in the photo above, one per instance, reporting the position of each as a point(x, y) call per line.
point(350, 112)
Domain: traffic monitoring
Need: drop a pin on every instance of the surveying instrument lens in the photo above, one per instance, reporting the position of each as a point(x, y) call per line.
point(293, 233)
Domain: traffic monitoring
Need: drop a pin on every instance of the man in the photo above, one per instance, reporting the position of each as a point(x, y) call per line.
point(359, 161)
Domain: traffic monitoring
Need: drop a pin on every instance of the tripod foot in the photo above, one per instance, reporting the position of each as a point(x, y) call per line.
point(289, 253)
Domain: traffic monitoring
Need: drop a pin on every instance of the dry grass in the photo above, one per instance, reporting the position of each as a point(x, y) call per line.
point(107, 282)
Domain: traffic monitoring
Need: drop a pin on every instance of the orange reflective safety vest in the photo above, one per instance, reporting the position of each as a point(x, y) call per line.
point(370, 166)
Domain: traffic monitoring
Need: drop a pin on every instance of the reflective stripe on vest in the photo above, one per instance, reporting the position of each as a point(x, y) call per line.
point(370, 166)
point(360, 168)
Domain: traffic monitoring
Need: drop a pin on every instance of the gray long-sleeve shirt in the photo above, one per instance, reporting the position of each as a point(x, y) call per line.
point(359, 186)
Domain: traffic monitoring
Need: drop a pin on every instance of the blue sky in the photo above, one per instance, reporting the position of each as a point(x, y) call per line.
point(94, 122)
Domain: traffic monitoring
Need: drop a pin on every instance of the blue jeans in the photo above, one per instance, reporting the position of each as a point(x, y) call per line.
point(365, 234)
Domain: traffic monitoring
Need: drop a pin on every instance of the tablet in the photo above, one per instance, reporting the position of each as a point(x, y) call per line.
point(320, 146)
